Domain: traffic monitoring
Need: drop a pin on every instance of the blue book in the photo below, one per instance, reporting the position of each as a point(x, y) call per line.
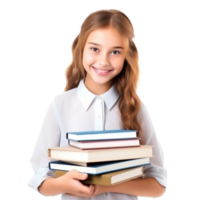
point(102, 135)
point(101, 167)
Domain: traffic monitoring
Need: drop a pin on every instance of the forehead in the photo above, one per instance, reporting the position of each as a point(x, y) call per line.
point(107, 37)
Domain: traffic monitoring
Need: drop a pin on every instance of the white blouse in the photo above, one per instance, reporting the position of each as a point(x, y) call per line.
point(80, 110)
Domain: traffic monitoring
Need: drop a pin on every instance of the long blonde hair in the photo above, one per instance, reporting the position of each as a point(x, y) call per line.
point(126, 82)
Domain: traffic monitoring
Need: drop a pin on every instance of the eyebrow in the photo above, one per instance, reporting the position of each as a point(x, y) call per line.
point(116, 47)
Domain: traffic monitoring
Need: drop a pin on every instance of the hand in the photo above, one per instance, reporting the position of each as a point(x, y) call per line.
point(91, 188)
point(98, 189)
point(71, 185)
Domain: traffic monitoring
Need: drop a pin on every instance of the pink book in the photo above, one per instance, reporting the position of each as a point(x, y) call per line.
point(102, 144)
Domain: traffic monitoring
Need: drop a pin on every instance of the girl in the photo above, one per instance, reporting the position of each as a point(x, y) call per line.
point(100, 95)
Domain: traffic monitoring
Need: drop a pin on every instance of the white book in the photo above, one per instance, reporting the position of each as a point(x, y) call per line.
point(99, 168)
point(70, 153)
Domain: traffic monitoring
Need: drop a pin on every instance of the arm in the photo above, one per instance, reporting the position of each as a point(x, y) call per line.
point(49, 137)
point(156, 170)
point(49, 187)
point(145, 188)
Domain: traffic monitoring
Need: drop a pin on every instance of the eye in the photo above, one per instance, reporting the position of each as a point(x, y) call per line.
point(97, 50)
point(94, 49)
point(115, 52)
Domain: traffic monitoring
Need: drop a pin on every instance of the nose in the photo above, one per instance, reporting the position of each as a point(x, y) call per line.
point(104, 60)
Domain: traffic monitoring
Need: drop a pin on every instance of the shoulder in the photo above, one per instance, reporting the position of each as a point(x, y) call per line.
point(62, 99)
point(65, 97)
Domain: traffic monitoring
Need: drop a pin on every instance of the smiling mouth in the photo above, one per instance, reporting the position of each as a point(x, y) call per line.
point(102, 70)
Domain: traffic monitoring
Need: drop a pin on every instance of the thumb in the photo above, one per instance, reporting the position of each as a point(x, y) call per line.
point(82, 176)
point(77, 175)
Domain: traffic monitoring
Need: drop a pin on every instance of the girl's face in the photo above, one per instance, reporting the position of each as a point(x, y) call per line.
point(103, 59)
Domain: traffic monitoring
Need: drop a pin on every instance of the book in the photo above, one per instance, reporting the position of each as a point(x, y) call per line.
point(111, 178)
point(101, 135)
point(104, 143)
point(83, 163)
point(99, 168)
point(79, 163)
point(70, 153)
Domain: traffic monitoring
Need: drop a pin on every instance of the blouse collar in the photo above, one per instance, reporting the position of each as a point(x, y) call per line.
point(86, 97)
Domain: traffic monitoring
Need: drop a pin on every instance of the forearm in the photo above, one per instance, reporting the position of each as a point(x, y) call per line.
point(50, 187)
point(147, 187)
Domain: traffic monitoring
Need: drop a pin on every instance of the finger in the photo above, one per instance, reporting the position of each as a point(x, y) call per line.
point(78, 194)
point(93, 190)
point(82, 176)
point(91, 187)
point(70, 194)
point(84, 194)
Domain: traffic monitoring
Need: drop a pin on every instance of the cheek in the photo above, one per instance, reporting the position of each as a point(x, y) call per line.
point(88, 59)
point(118, 63)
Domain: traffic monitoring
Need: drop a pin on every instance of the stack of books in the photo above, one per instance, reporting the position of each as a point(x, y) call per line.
point(108, 157)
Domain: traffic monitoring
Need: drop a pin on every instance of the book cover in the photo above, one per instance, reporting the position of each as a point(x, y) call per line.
point(109, 179)
point(99, 168)
point(101, 135)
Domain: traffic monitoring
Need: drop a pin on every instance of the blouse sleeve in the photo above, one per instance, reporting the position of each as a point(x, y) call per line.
point(156, 169)
point(49, 137)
